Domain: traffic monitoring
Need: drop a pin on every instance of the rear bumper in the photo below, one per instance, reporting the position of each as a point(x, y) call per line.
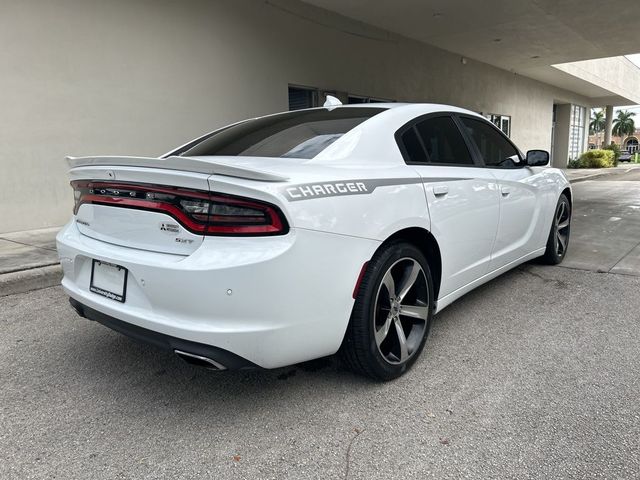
point(271, 301)
point(225, 359)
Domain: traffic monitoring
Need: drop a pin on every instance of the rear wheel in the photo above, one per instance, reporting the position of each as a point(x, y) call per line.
point(558, 239)
point(392, 313)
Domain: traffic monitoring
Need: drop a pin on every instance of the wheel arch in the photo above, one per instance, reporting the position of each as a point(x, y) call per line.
point(426, 242)
point(567, 192)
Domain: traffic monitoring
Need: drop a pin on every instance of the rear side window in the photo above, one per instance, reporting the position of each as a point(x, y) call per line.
point(435, 141)
point(496, 150)
point(413, 148)
point(298, 134)
point(443, 142)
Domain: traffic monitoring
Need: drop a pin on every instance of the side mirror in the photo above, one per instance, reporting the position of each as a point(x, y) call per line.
point(537, 158)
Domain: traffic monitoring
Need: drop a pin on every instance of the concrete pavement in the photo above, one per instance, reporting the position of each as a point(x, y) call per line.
point(605, 233)
point(28, 260)
point(25, 250)
point(532, 376)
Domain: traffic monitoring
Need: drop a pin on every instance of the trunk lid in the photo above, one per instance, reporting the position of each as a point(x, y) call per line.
point(111, 192)
point(130, 227)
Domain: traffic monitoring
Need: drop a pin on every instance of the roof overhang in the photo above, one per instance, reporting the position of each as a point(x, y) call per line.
point(616, 77)
point(535, 39)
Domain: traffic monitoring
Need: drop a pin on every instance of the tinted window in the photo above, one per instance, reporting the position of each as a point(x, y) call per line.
point(299, 134)
point(443, 141)
point(412, 146)
point(496, 150)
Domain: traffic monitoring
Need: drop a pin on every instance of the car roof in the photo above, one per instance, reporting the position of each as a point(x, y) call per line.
point(373, 142)
point(435, 107)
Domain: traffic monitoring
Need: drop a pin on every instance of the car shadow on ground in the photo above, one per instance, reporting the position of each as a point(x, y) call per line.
point(112, 365)
point(116, 367)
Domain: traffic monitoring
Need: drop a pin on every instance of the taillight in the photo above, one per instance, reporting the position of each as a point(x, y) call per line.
point(200, 212)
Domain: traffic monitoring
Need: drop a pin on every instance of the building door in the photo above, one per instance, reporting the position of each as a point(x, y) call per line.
point(553, 133)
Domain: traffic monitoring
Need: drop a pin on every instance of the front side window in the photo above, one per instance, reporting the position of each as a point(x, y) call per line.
point(496, 150)
point(297, 134)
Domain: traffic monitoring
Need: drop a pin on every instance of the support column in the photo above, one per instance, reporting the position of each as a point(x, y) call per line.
point(608, 124)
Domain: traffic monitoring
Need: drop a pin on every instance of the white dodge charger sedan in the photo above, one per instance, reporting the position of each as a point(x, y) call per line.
point(293, 236)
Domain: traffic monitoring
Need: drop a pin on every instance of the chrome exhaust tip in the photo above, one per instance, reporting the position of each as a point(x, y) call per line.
point(199, 360)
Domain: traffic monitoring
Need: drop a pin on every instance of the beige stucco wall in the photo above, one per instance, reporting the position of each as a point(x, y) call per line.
point(85, 77)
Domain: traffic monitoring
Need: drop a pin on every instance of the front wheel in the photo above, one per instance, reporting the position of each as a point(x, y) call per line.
point(392, 313)
point(558, 240)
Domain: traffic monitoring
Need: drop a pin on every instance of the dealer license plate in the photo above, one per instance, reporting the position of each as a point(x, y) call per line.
point(108, 280)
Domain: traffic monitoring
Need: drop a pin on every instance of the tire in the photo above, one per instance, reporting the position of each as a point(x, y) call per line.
point(558, 240)
point(372, 344)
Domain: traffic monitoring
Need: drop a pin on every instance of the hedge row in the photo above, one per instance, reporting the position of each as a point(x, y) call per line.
point(595, 159)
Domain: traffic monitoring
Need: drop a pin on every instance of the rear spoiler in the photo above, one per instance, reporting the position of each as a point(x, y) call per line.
point(208, 166)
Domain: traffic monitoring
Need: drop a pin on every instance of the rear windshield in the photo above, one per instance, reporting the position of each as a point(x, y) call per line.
point(298, 134)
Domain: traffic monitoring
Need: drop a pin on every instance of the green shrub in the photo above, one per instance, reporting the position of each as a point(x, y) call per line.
point(597, 159)
point(574, 163)
point(613, 147)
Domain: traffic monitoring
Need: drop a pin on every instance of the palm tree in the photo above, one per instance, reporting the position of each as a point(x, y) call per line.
point(597, 124)
point(623, 124)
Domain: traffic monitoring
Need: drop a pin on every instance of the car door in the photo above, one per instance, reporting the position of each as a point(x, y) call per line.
point(462, 197)
point(521, 206)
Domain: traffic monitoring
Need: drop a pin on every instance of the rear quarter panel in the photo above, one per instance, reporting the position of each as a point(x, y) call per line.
point(371, 203)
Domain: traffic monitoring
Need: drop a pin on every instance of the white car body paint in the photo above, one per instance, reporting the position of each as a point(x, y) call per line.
point(291, 295)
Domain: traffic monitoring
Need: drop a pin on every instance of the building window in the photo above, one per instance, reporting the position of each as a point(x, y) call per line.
point(576, 131)
point(503, 122)
point(302, 97)
point(309, 97)
point(353, 99)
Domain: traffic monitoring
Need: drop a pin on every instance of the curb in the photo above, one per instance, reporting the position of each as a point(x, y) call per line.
point(32, 279)
point(600, 174)
point(590, 177)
